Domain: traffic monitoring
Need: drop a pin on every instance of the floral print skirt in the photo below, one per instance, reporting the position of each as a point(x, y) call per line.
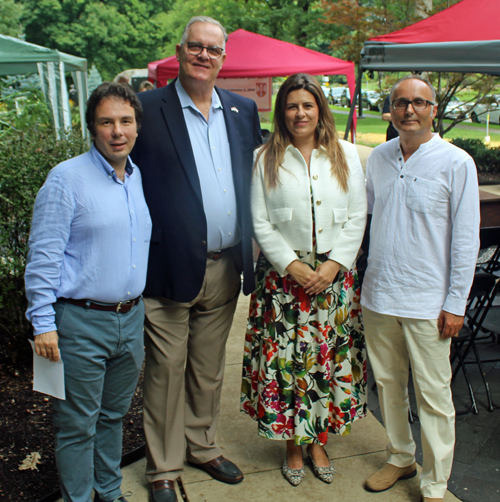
point(304, 365)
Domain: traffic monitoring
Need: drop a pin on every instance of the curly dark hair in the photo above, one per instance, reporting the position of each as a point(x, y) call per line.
point(115, 90)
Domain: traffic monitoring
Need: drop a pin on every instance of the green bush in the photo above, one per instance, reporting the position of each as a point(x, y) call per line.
point(487, 159)
point(25, 159)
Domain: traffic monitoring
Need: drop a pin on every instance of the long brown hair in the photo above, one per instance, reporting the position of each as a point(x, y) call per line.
point(326, 135)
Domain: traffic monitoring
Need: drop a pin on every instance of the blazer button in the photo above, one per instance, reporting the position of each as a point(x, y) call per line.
point(203, 243)
point(320, 230)
point(315, 177)
point(318, 203)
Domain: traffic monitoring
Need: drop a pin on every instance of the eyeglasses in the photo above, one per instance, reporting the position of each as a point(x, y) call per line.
point(195, 49)
point(417, 104)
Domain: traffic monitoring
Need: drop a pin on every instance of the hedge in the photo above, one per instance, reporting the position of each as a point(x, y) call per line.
point(25, 159)
point(487, 159)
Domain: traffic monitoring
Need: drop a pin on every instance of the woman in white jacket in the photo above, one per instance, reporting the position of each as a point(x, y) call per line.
point(304, 371)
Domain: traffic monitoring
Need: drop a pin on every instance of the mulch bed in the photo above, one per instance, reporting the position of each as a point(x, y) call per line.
point(26, 427)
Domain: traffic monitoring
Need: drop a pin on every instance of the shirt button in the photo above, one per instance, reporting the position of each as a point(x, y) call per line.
point(315, 177)
point(401, 176)
point(109, 176)
point(203, 243)
point(320, 230)
point(133, 266)
point(318, 203)
point(230, 233)
point(213, 148)
point(128, 293)
point(131, 212)
point(229, 213)
point(219, 169)
point(225, 190)
point(134, 239)
point(317, 155)
point(400, 158)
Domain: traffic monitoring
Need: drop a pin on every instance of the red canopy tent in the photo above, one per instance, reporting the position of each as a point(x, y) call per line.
point(250, 55)
point(465, 21)
point(464, 38)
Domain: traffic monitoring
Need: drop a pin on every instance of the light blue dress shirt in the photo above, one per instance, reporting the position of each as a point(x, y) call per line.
point(212, 155)
point(89, 238)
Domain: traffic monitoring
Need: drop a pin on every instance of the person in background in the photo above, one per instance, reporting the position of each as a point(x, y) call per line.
point(146, 86)
point(304, 360)
point(424, 240)
point(196, 152)
point(386, 115)
point(86, 270)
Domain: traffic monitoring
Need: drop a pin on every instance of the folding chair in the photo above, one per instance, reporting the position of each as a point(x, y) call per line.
point(479, 302)
point(489, 253)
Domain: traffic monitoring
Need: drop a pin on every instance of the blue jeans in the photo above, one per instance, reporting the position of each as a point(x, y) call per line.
point(102, 354)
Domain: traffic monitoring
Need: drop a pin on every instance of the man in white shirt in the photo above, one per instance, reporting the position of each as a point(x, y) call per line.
point(424, 200)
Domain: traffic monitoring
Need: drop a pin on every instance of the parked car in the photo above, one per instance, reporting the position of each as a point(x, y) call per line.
point(371, 100)
point(455, 108)
point(480, 113)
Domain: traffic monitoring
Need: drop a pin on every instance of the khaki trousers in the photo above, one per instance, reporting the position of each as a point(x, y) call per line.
point(185, 356)
point(393, 343)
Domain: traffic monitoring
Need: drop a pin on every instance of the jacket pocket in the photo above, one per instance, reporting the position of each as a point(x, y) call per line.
point(339, 215)
point(280, 215)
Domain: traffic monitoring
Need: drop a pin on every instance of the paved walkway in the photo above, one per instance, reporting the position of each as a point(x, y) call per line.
point(354, 456)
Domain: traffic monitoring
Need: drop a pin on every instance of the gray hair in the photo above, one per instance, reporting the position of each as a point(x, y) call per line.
point(415, 77)
point(203, 19)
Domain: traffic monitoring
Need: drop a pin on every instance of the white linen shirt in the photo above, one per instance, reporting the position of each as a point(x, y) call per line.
point(282, 217)
point(424, 236)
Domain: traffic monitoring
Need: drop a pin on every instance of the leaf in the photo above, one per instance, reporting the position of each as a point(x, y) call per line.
point(30, 461)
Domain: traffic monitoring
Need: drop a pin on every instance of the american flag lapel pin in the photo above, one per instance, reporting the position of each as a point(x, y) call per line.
point(234, 109)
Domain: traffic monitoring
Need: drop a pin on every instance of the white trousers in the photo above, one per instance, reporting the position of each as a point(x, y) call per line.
point(393, 343)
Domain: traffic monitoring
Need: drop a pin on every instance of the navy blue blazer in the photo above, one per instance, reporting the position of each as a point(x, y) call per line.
point(178, 252)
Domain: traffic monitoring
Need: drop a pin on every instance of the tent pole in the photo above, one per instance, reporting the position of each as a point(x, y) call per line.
point(353, 103)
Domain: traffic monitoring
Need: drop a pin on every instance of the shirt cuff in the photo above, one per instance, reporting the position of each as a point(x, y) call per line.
point(455, 306)
point(43, 324)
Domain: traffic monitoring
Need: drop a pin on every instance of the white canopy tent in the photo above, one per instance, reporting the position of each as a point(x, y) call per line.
point(18, 57)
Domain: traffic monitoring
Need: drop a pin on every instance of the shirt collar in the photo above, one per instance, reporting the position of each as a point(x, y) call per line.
point(105, 166)
point(425, 146)
point(187, 102)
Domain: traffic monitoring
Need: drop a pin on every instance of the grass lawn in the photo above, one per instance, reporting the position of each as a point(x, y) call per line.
point(371, 128)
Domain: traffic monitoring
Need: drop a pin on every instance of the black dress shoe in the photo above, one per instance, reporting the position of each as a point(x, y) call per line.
point(120, 498)
point(221, 469)
point(162, 490)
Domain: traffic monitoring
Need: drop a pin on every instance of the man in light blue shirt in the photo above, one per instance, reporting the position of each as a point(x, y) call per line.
point(86, 271)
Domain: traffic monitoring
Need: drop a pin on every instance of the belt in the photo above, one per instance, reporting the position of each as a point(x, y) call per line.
point(119, 308)
point(217, 255)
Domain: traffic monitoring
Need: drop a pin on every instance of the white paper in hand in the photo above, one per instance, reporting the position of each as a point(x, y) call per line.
point(48, 377)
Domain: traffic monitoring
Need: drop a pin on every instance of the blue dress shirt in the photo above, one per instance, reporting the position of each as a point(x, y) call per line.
point(212, 155)
point(89, 238)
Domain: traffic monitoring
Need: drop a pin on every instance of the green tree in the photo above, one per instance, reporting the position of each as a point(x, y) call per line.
point(113, 34)
point(295, 21)
point(11, 13)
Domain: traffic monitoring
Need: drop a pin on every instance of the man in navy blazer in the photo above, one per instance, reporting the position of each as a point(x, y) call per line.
point(195, 151)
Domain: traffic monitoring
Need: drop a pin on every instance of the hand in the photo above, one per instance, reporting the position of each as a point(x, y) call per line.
point(46, 345)
point(301, 272)
point(325, 274)
point(449, 324)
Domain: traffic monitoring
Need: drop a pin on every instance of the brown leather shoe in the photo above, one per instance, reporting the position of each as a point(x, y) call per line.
point(221, 469)
point(162, 490)
point(387, 476)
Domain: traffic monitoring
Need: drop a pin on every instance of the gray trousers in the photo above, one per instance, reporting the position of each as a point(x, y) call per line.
point(102, 354)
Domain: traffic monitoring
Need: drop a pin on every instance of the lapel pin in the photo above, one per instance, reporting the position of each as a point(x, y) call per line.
point(234, 109)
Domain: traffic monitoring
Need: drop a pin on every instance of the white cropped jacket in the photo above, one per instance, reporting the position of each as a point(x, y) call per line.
point(282, 218)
